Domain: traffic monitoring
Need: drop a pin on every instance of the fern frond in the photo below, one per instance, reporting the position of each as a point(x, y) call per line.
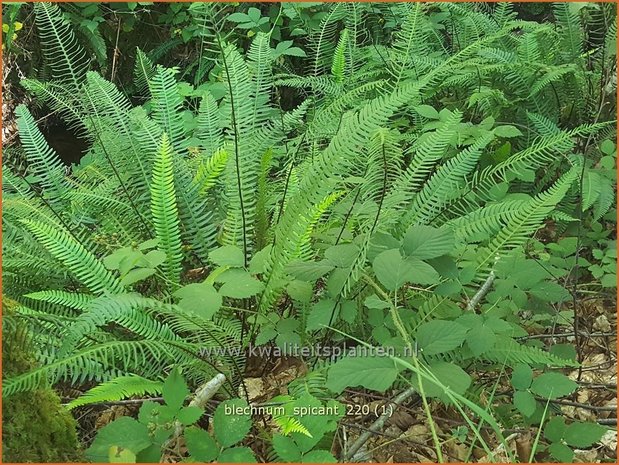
point(508, 351)
point(117, 389)
point(82, 263)
point(146, 357)
point(44, 162)
point(167, 106)
point(164, 210)
point(66, 58)
point(68, 299)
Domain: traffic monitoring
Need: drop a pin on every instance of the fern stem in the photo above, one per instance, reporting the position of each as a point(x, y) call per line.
point(236, 149)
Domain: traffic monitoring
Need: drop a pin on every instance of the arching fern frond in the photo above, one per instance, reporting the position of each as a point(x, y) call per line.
point(81, 262)
point(117, 389)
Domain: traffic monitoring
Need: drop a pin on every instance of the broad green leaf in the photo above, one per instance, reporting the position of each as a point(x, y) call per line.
point(342, 255)
point(427, 111)
point(229, 255)
point(149, 244)
point(373, 372)
point(230, 424)
point(607, 147)
point(242, 287)
point(300, 291)
point(373, 301)
point(199, 298)
point(308, 271)
point(525, 403)
point(294, 52)
point(238, 17)
point(348, 311)
point(265, 335)
point(507, 131)
point(237, 455)
point(125, 433)
point(286, 449)
point(258, 261)
point(189, 415)
point(550, 292)
point(121, 455)
point(553, 385)
point(424, 242)
point(155, 257)
point(175, 390)
point(564, 351)
point(138, 274)
point(555, 429)
point(522, 376)
point(440, 336)
point(202, 447)
point(579, 434)
point(480, 338)
point(320, 314)
point(561, 452)
point(393, 270)
point(448, 375)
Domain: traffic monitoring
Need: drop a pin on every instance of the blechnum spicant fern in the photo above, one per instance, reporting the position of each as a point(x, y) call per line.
point(417, 165)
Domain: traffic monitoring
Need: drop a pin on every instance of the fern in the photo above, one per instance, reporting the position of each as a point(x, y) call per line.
point(82, 263)
point(117, 389)
point(164, 210)
point(510, 352)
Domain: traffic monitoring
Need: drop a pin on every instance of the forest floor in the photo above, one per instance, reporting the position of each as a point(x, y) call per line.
point(406, 436)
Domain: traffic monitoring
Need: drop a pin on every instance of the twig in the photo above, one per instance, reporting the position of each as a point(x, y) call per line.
point(481, 293)
point(378, 424)
point(579, 405)
point(116, 52)
point(203, 394)
point(570, 334)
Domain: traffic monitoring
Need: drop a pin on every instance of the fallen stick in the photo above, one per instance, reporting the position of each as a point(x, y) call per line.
point(378, 424)
point(474, 302)
point(203, 394)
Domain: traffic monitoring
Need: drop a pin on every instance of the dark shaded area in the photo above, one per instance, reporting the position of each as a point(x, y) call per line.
point(66, 142)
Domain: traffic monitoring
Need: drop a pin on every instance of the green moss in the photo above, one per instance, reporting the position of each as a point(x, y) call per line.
point(35, 426)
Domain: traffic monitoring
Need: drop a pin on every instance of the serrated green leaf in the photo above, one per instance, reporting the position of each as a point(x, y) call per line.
point(199, 298)
point(373, 372)
point(228, 255)
point(393, 270)
point(308, 271)
point(189, 415)
point(561, 452)
point(424, 242)
point(125, 433)
point(242, 287)
point(440, 336)
point(175, 390)
point(286, 449)
point(230, 425)
point(237, 455)
point(507, 131)
point(580, 434)
point(553, 385)
point(427, 111)
point(525, 403)
point(522, 376)
point(202, 447)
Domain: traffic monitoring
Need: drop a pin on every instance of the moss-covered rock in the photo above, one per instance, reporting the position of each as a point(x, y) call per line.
point(35, 426)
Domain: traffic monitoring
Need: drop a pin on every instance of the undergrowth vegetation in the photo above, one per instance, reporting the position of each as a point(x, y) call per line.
point(426, 185)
